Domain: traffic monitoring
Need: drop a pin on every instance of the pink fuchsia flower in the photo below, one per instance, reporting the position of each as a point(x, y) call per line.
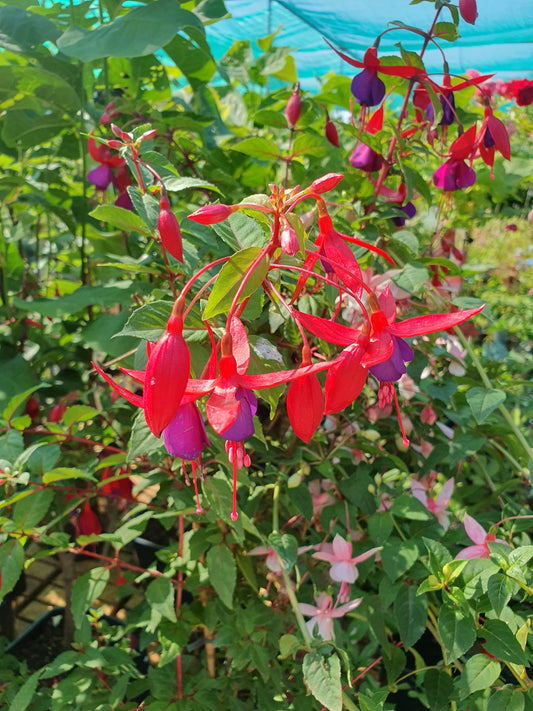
point(437, 505)
point(323, 614)
point(343, 566)
point(272, 560)
point(428, 415)
point(481, 539)
point(320, 490)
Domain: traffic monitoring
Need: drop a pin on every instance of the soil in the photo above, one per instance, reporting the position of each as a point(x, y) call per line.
point(40, 644)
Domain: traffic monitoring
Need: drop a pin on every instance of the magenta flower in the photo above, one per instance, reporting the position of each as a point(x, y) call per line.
point(481, 539)
point(323, 614)
point(454, 175)
point(343, 566)
point(364, 158)
point(437, 505)
point(185, 435)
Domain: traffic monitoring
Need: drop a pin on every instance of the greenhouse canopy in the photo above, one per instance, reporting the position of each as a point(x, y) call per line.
point(500, 42)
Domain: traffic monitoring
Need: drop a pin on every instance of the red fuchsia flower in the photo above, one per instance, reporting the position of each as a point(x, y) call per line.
point(294, 107)
point(168, 228)
point(437, 505)
point(57, 413)
point(343, 565)
point(522, 90)
point(493, 137)
point(211, 214)
point(120, 488)
point(455, 174)
point(103, 176)
point(165, 377)
point(468, 10)
point(331, 132)
point(88, 522)
point(367, 87)
point(305, 402)
point(323, 613)
point(480, 538)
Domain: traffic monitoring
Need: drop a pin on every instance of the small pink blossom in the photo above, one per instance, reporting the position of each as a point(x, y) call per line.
point(343, 566)
point(323, 613)
point(428, 415)
point(272, 560)
point(481, 539)
point(320, 491)
point(437, 505)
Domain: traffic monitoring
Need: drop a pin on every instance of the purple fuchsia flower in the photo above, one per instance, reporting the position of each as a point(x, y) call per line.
point(480, 538)
point(437, 505)
point(409, 211)
point(343, 565)
point(364, 158)
point(103, 176)
point(454, 175)
point(323, 613)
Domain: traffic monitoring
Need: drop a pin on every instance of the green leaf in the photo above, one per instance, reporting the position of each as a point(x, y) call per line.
point(142, 442)
point(11, 562)
point(509, 698)
point(17, 400)
point(246, 230)
point(149, 321)
point(120, 217)
point(26, 693)
point(62, 473)
point(322, 676)
point(398, 556)
point(23, 31)
point(78, 413)
point(176, 185)
point(85, 590)
point(230, 278)
point(457, 632)
point(411, 278)
point(439, 688)
point(286, 546)
point(142, 31)
point(408, 507)
point(478, 673)
point(160, 596)
point(380, 527)
point(288, 644)
point(499, 589)
point(411, 615)
point(256, 147)
point(501, 642)
point(408, 239)
point(482, 402)
point(29, 511)
point(446, 31)
point(222, 573)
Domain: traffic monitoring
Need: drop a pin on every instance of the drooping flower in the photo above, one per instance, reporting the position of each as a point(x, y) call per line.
point(331, 132)
point(468, 10)
point(454, 175)
point(437, 505)
point(294, 107)
point(364, 158)
point(102, 176)
point(323, 613)
point(343, 565)
point(493, 136)
point(168, 228)
point(305, 402)
point(480, 538)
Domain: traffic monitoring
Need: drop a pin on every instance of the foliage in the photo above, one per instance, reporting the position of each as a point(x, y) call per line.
point(326, 561)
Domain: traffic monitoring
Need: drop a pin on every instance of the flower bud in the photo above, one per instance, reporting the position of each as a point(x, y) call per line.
point(289, 240)
point(326, 182)
point(331, 133)
point(113, 143)
point(211, 214)
point(294, 107)
point(468, 10)
point(169, 229)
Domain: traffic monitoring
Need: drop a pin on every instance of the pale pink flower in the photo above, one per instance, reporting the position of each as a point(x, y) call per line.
point(407, 387)
point(453, 346)
point(323, 613)
point(437, 505)
point(424, 448)
point(272, 560)
point(481, 539)
point(343, 566)
point(320, 494)
point(428, 415)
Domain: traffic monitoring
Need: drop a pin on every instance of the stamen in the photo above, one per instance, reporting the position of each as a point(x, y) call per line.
point(234, 515)
point(405, 440)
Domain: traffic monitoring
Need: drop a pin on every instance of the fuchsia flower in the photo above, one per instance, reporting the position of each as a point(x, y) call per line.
point(323, 614)
point(437, 505)
point(103, 176)
point(455, 174)
point(481, 539)
point(168, 228)
point(493, 136)
point(343, 565)
point(468, 10)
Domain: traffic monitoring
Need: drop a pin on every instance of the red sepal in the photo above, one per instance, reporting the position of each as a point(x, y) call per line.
point(305, 406)
point(421, 325)
point(327, 330)
point(136, 400)
point(345, 380)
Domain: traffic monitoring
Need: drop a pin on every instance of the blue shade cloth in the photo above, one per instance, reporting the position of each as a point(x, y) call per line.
point(500, 42)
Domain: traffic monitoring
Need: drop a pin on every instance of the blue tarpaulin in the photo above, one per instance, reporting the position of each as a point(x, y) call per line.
point(501, 41)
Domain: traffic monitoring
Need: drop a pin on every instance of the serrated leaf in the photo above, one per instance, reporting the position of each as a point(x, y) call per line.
point(482, 402)
point(501, 642)
point(286, 546)
point(11, 562)
point(407, 238)
point(149, 321)
point(29, 511)
point(457, 632)
point(230, 278)
point(17, 400)
point(222, 573)
point(142, 442)
point(438, 686)
point(160, 596)
point(120, 217)
point(479, 673)
point(322, 676)
point(411, 278)
point(509, 698)
point(62, 473)
point(398, 556)
point(499, 589)
point(410, 612)
point(26, 693)
point(78, 413)
point(85, 590)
